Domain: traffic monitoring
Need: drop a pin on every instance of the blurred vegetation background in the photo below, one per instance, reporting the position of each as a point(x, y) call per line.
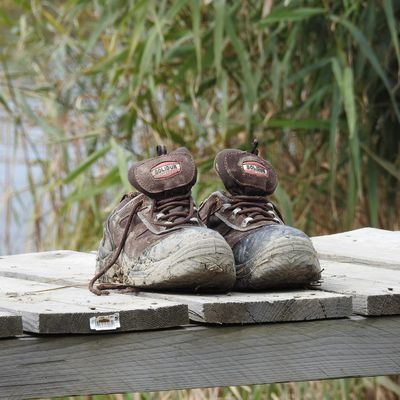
point(317, 82)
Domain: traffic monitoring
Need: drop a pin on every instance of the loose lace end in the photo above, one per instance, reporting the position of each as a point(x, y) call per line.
point(99, 290)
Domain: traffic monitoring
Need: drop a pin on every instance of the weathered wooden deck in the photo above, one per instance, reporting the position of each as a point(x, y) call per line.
point(76, 343)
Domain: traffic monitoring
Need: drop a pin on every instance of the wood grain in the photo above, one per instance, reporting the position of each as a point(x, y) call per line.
point(10, 324)
point(199, 357)
point(245, 308)
point(375, 247)
point(362, 271)
point(375, 291)
point(60, 267)
point(46, 308)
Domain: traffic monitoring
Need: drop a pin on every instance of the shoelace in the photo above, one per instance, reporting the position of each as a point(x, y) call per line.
point(255, 208)
point(169, 212)
point(100, 289)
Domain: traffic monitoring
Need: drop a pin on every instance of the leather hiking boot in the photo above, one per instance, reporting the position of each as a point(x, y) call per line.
point(154, 239)
point(268, 253)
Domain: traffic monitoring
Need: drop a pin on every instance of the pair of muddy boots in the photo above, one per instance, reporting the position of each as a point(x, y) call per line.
point(156, 238)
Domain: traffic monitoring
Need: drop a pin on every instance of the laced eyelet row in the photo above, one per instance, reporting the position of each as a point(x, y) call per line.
point(255, 208)
point(175, 210)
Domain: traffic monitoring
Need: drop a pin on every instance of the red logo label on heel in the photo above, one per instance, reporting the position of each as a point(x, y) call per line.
point(254, 168)
point(165, 169)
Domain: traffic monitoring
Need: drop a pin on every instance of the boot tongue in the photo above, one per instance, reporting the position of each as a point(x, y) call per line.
point(167, 175)
point(244, 173)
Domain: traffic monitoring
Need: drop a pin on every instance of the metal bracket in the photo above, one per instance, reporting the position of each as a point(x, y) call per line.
point(105, 322)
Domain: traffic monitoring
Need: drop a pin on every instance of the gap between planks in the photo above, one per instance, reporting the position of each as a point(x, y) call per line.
point(375, 291)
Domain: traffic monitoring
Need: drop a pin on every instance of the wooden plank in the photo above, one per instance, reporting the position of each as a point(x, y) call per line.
point(61, 267)
point(74, 268)
point(364, 272)
point(245, 308)
point(375, 247)
point(365, 263)
point(10, 325)
point(375, 291)
point(35, 367)
point(52, 309)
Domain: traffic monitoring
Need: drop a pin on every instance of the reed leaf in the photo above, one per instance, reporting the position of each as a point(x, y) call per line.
point(373, 59)
point(218, 34)
point(284, 14)
point(91, 159)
